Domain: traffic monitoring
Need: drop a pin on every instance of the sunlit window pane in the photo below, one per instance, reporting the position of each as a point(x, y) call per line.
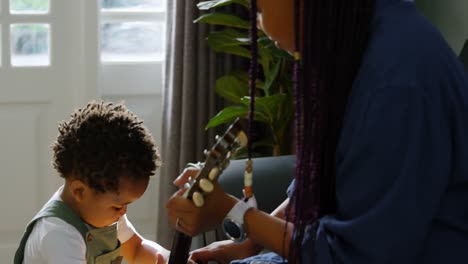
point(144, 5)
point(132, 41)
point(29, 6)
point(29, 44)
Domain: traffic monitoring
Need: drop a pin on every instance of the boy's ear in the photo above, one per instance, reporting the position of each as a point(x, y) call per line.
point(78, 189)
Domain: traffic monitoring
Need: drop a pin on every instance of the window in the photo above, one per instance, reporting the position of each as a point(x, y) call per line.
point(29, 6)
point(29, 44)
point(132, 30)
point(28, 34)
point(131, 47)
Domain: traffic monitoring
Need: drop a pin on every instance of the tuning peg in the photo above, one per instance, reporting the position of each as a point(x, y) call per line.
point(198, 199)
point(213, 173)
point(206, 152)
point(242, 139)
point(206, 185)
point(216, 137)
point(189, 183)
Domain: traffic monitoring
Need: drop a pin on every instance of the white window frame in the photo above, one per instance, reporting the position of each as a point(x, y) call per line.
point(133, 77)
point(7, 19)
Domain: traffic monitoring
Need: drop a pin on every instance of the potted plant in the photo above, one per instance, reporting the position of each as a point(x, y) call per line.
point(274, 96)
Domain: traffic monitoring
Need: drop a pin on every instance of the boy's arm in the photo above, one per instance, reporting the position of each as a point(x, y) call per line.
point(136, 249)
point(139, 250)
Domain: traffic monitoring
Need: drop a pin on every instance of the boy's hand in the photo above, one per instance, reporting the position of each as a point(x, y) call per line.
point(140, 250)
point(160, 259)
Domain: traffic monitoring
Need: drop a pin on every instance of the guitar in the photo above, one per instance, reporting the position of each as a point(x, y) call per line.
point(217, 159)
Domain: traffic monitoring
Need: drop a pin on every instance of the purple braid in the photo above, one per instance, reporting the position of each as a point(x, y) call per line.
point(253, 72)
point(298, 121)
point(335, 36)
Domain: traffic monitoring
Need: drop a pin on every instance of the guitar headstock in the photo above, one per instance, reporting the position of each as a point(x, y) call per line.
point(217, 159)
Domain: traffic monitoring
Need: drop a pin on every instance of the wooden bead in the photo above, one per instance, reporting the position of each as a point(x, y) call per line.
point(248, 179)
point(248, 192)
point(249, 166)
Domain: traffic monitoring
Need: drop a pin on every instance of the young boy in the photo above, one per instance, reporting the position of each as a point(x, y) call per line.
point(106, 157)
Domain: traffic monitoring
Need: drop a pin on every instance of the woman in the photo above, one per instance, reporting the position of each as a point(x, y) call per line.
point(382, 110)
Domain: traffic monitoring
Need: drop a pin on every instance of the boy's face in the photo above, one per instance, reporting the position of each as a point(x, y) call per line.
point(103, 209)
point(276, 19)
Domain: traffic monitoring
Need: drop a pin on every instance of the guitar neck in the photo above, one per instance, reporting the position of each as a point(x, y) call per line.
point(181, 242)
point(203, 173)
point(180, 248)
point(218, 158)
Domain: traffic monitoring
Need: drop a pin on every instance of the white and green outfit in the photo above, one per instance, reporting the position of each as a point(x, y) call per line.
point(56, 235)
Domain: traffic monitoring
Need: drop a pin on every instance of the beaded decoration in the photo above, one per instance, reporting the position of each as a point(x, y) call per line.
point(253, 72)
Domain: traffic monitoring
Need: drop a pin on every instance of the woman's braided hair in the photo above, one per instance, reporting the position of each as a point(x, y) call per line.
point(103, 142)
point(335, 37)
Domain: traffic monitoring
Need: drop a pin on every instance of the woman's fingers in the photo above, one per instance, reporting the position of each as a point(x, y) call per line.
point(185, 175)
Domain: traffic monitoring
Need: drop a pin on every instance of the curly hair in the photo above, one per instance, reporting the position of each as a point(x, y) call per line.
point(103, 142)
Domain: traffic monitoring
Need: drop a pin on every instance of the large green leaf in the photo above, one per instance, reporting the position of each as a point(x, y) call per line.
point(231, 88)
point(272, 49)
point(244, 77)
point(280, 53)
point(285, 113)
point(272, 104)
point(229, 41)
point(260, 113)
point(267, 107)
point(228, 114)
point(223, 19)
point(240, 75)
point(271, 76)
point(227, 37)
point(206, 5)
point(235, 50)
point(264, 58)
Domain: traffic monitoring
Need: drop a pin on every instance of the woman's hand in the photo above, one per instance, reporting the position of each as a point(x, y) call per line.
point(224, 252)
point(185, 175)
point(192, 220)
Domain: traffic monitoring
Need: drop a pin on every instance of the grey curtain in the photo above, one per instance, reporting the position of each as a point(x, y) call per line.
point(189, 99)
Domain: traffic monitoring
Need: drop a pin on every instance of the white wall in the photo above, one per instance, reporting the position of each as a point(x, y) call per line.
point(33, 100)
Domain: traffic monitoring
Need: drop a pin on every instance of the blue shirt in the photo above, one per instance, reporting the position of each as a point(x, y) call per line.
point(402, 159)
